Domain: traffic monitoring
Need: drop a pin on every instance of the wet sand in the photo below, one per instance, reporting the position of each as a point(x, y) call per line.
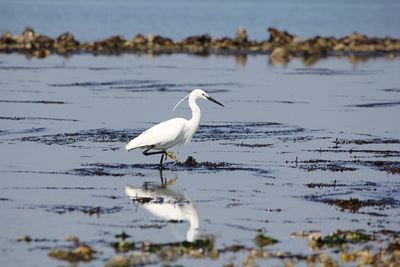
point(298, 153)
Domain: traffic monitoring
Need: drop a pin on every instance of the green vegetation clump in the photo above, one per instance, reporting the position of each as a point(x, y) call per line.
point(338, 238)
point(123, 246)
point(185, 247)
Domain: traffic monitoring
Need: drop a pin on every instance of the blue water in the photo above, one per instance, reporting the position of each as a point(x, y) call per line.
point(304, 108)
point(90, 20)
point(300, 111)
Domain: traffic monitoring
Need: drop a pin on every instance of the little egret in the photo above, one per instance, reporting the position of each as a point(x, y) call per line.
point(177, 131)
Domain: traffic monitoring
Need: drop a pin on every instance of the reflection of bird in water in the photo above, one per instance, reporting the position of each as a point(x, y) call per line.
point(177, 131)
point(166, 204)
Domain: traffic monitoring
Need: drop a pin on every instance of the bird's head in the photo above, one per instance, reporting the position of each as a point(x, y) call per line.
point(198, 93)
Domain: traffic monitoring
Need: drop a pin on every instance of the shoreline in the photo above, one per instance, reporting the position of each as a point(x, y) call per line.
point(281, 46)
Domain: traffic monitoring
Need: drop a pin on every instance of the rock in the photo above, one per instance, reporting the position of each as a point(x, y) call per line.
point(198, 44)
point(139, 39)
point(85, 252)
point(346, 257)
point(7, 39)
point(223, 43)
point(162, 41)
point(314, 240)
point(134, 259)
point(357, 39)
point(281, 44)
point(66, 38)
point(394, 245)
point(339, 47)
point(42, 42)
point(66, 43)
point(28, 35)
point(118, 261)
point(241, 36)
point(80, 253)
point(280, 37)
point(191, 162)
point(157, 43)
point(113, 44)
point(199, 40)
point(150, 38)
point(169, 254)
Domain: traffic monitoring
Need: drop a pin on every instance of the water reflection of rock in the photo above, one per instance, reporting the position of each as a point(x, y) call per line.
point(165, 203)
point(241, 60)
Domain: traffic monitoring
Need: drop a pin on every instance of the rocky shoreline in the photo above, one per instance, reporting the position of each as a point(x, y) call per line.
point(281, 45)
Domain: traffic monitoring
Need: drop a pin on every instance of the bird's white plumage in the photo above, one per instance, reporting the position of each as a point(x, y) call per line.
point(161, 136)
point(177, 131)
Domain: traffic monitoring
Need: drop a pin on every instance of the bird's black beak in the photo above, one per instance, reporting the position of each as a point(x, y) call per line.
point(215, 101)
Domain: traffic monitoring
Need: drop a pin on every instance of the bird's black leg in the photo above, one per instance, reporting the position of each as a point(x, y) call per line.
point(161, 160)
point(147, 153)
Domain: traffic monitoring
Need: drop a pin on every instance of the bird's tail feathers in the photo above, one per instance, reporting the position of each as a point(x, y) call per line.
point(133, 144)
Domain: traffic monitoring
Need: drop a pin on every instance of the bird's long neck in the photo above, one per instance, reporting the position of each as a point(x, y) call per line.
point(196, 115)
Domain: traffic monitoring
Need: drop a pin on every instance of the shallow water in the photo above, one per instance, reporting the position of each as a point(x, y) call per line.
point(65, 121)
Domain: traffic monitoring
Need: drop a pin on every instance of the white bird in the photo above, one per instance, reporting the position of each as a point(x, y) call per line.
point(172, 132)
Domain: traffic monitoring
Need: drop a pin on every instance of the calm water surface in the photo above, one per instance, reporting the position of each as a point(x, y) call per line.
point(64, 123)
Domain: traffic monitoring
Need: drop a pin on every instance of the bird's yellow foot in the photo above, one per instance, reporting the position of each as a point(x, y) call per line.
point(171, 155)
